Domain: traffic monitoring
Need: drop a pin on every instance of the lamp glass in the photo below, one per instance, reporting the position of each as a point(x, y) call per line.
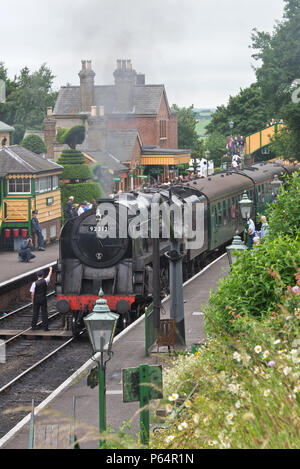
point(101, 330)
point(232, 250)
point(245, 206)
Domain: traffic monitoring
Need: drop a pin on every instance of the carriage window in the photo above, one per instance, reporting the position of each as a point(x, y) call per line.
point(224, 212)
point(219, 214)
point(229, 210)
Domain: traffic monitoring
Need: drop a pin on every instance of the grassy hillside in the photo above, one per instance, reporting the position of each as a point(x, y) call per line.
point(203, 116)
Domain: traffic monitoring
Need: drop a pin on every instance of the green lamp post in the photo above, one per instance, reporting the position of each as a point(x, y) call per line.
point(101, 325)
point(245, 207)
point(232, 250)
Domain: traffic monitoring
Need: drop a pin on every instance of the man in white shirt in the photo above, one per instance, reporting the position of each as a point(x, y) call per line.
point(81, 208)
point(38, 292)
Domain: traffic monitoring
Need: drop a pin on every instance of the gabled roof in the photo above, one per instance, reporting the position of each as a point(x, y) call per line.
point(18, 160)
point(5, 127)
point(146, 99)
point(107, 159)
point(121, 143)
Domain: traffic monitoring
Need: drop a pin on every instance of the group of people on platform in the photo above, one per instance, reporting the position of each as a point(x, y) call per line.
point(236, 149)
point(254, 237)
point(73, 210)
point(24, 251)
point(273, 122)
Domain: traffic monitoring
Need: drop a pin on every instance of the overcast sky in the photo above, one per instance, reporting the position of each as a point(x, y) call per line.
point(198, 48)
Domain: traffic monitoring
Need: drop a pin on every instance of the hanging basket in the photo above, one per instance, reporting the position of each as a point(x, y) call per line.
point(24, 232)
point(7, 233)
point(16, 232)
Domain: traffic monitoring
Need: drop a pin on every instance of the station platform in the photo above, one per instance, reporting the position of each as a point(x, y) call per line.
point(12, 268)
point(128, 352)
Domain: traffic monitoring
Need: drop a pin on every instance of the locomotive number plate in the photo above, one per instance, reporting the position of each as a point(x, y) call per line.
point(95, 228)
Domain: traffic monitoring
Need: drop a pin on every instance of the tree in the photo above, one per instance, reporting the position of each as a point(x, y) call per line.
point(216, 145)
point(34, 143)
point(187, 134)
point(279, 57)
point(27, 99)
point(247, 110)
point(77, 177)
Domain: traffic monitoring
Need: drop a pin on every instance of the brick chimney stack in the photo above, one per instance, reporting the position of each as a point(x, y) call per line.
point(97, 129)
point(125, 80)
point(86, 76)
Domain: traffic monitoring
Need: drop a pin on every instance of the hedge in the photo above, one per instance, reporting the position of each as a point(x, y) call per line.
point(34, 143)
point(81, 191)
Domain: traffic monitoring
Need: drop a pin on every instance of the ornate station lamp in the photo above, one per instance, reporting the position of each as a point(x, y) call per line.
point(245, 206)
point(101, 325)
point(232, 250)
point(276, 185)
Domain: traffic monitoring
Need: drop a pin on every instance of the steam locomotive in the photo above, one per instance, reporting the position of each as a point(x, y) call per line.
point(122, 265)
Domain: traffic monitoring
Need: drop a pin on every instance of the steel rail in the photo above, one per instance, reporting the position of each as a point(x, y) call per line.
point(26, 330)
point(22, 307)
point(32, 367)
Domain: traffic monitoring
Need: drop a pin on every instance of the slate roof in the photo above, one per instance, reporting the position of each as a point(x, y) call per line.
point(18, 160)
point(146, 99)
point(40, 133)
point(121, 143)
point(109, 160)
point(5, 127)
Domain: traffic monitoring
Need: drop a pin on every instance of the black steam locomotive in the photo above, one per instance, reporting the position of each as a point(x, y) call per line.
point(122, 265)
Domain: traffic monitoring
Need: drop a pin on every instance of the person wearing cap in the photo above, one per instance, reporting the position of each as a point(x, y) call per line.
point(36, 229)
point(38, 292)
point(81, 208)
point(25, 254)
point(69, 214)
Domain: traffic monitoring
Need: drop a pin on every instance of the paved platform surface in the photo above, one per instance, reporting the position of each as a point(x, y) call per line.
point(11, 267)
point(129, 351)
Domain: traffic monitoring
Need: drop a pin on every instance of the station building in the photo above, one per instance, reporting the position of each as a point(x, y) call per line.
point(27, 182)
point(123, 122)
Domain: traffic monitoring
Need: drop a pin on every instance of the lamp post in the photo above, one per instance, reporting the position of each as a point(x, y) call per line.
point(236, 246)
point(276, 185)
point(231, 125)
point(245, 207)
point(101, 325)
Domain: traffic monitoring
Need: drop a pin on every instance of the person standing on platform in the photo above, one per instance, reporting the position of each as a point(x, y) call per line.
point(251, 231)
point(264, 226)
point(36, 229)
point(38, 292)
point(81, 208)
point(69, 214)
point(24, 252)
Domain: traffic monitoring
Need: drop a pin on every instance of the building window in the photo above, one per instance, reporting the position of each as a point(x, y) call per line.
point(43, 184)
point(53, 231)
point(54, 182)
point(162, 128)
point(19, 186)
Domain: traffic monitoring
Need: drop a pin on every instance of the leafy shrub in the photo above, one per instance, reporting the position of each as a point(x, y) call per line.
point(68, 157)
point(238, 392)
point(80, 172)
point(81, 191)
point(249, 290)
point(284, 213)
point(34, 143)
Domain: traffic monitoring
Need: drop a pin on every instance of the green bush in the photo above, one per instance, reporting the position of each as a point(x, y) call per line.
point(68, 157)
point(34, 143)
point(60, 135)
point(284, 213)
point(251, 289)
point(81, 172)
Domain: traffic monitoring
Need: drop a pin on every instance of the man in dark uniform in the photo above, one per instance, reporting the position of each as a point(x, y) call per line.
point(38, 292)
point(36, 229)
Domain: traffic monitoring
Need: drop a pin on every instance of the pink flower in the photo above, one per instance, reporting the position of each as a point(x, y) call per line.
point(295, 289)
point(271, 363)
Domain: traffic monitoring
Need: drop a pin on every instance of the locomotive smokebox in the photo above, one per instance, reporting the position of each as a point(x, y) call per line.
point(123, 307)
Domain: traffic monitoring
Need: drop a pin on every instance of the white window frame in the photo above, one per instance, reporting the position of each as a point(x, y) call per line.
point(15, 179)
point(55, 185)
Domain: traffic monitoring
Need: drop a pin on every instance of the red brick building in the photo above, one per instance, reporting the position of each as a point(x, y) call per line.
point(128, 115)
